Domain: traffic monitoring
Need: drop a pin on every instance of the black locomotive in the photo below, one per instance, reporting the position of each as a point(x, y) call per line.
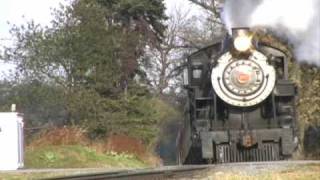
point(240, 105)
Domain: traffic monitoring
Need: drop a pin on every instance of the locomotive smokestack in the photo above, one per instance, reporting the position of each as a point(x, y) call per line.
point(240, 31)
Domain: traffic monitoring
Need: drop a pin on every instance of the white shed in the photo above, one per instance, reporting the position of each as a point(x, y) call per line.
point(11, 141)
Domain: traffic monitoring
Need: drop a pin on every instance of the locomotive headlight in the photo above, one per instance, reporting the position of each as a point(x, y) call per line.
point(242, 43)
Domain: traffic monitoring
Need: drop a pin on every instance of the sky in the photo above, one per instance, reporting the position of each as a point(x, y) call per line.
point(20, 11)
point(17, 12)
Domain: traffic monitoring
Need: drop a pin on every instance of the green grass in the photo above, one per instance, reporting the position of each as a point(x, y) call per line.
point(71, 156)
point(77, 156)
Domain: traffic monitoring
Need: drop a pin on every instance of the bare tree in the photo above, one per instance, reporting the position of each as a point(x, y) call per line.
point(208, 5)
point(163, 62)
point(203, 29)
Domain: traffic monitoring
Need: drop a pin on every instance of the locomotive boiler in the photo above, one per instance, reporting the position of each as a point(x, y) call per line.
point(240, 103)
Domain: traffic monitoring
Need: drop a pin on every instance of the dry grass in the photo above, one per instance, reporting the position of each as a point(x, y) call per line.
point(303, 172)
point(60, 136)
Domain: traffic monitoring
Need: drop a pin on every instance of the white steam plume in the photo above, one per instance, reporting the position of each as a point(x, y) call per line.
point(296, 20)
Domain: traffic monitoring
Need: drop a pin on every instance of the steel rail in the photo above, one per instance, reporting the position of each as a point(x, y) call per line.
point(162, 173)
point(179, 172)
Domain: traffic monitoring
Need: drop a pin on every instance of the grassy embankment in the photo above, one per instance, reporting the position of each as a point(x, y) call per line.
point(68, 148)
point(77, 156)
point(71, 148)
point(127, 146)
point(72, 156)
point(130, 143)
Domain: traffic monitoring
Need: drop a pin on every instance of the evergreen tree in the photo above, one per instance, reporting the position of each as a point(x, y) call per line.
point(90, 49)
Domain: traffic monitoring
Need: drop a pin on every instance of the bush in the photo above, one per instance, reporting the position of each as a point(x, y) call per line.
point(60, 136)
point(135, 116)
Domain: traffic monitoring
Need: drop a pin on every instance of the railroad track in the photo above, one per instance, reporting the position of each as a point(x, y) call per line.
point(187, 172)
point(169, 172)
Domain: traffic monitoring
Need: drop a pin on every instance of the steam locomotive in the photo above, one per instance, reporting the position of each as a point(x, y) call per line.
point(240, 105)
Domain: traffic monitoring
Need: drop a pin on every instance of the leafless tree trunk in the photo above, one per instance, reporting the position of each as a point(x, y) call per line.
point(166, 57)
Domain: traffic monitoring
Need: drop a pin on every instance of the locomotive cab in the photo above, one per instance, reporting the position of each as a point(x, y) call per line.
point(241, 104)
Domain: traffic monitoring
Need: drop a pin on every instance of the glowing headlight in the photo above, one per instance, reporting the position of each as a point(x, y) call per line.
point(243, 43)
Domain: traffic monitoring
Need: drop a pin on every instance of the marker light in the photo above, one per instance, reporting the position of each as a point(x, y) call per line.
point(243, 43)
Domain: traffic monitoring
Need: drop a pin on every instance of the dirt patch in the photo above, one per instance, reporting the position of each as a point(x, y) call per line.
point(125, 144)
point(130, 145)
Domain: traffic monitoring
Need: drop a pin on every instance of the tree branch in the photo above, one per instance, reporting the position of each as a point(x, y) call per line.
point(205, 6)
